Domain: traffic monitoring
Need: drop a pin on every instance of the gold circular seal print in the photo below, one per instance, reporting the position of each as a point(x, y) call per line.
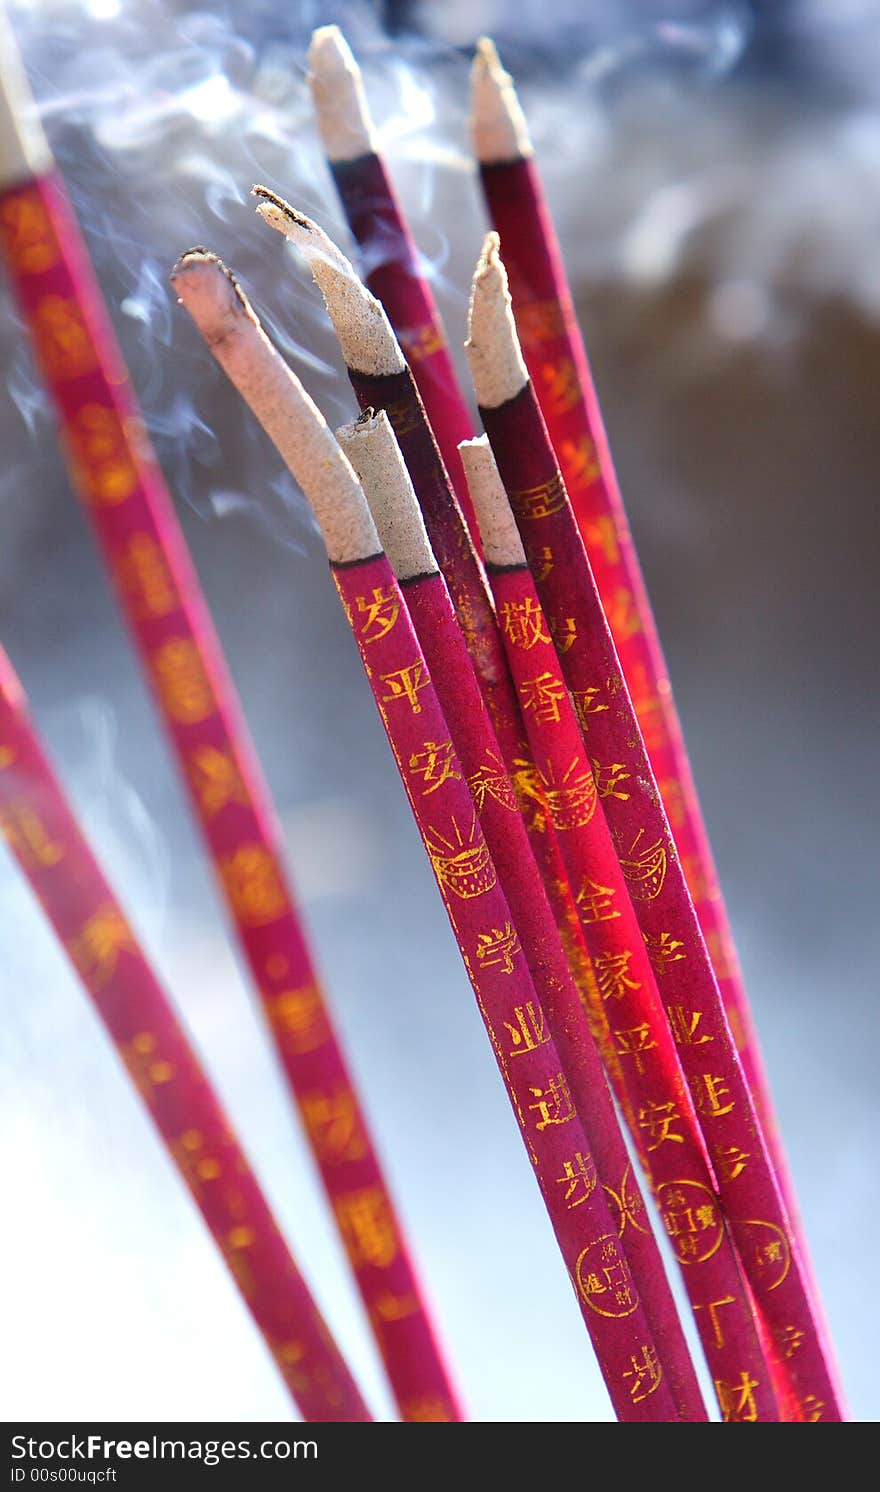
point(603, 1278)
point(692, 1218)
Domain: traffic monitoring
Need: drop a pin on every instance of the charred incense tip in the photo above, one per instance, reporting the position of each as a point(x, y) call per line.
point(210, 292)
point(502, 544)
point(341, 109)
point(498, 124)
point(371, 446)
point(492, 347)
point(24, 149)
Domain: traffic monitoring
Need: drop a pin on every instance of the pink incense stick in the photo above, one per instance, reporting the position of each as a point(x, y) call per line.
point(381, 380)
point(131, 511)
point(556, 358)
point(388, 253)
point(46, 840)
point(646, 848)
point(671, 1144)
point(480, 916)
point(375, 455)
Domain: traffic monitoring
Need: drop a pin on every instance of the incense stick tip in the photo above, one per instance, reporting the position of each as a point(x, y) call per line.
point(341, 110)
point(492, 345)
point(498, 124)
point(502, 545)
point(210, 291)
point(371, 446)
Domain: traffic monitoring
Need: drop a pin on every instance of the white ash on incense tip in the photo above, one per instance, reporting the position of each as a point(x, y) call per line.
point(498, 124)
point(365, 334)
point(224, 316)
point(371, 446)
point(496, 361)
point(502, 545)
point(341, 109)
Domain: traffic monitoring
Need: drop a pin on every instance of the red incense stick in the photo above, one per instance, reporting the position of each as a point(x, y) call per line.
point(671, 1143)
point(466, 875)
point(388, 253)
point(557, 362)
point(131, 511)
point(646, 847)
point(381, 380)
point(46, 840)
point(370, 445)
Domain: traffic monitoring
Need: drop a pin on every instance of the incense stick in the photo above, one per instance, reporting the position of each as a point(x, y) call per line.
point(131, 511)
point(388, 252)
point(375, 455)
point(557, 362)
point(646, 846)
point(668, 1128)
point(381, 380)
point(45, 839)
point(465, 872)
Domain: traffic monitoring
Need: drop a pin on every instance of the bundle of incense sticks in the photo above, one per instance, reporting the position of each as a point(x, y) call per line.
point(122, 489)
point(45, 839)
point(637, 1341)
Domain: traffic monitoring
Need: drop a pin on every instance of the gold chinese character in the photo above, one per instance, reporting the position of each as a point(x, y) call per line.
point(542, 563)
point(252, 882)
point(333, 1124)
point(97, 946)
point(602, 537)
point(146, 1068)
point(539, 321)
point(579, 462)
point(713, 1307)
point(685, 1024)
point(587, 702)
point(429, 1409)
point(435, 764)
point(553, 1103)
point(594, 902)
point(737, 1400)
point(299, 1019)
point(405, 683)
point(367, 1227)
point(30, 238)
point(101, 453)
point(579, 1177)
point(771, 1255)
point(560, 387)
point(145, 576)
point(612, 974)
point(564, 632)
point(692, 1219)
point(523, 623)
point(730, 1161)
point(492, 780)
point(542, 695)
point(608, 780)
point(497, 948)
point(623, 616)
point(709, 1095)
point(235, 1246)
point(644, 869)
point(672, 793)
point(603, 1278)
point(63, 342)
point(216, 779)
point(28, 837)
point(196, 1164)
point(813, 1408)
point(183, 685)
point(646, 1373)
point(658, 1120)
point(790, 1339)
point(663, 950)
point(420, 342)
point(461, 863)
point(634, 1042)
point(380, 611)
point(540, 501)
point(527, 1034)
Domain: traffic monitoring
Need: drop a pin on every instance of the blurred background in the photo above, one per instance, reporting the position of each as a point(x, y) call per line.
point(714, 172)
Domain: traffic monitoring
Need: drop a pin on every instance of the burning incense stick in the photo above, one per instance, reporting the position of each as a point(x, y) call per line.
point(381, 379)
point(388, 253)
point(668, 1128)
point(132, 513)
point(646, 847)
point(557, 361)
point(45, 839)
point(466, 875)
point(375, 455)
